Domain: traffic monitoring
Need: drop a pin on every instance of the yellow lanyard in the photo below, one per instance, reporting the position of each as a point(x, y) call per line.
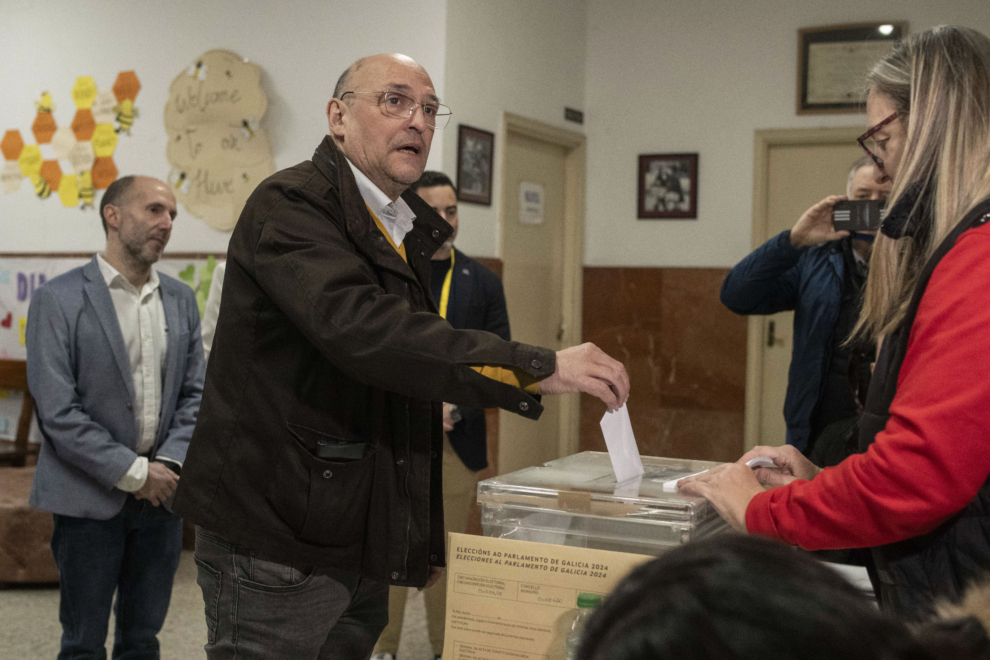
point(401, 247)
point(445, 291)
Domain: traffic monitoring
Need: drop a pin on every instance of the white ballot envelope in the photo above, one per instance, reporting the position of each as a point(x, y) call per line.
point(621, 443)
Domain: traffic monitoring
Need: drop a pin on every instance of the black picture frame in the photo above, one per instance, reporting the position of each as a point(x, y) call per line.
point(668, 187)
point(845, 73)
point(475, 151)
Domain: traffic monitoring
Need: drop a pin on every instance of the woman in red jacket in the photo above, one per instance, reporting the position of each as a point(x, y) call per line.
point(919, 493)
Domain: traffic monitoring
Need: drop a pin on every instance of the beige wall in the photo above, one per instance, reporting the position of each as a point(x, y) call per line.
point(702, 76)
point(520, 56)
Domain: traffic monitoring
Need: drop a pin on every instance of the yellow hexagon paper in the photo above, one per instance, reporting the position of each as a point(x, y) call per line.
point(68, 190)
point(84, 92)
point(87, 192)
point(11, 177)
point(30, 160)
point(104, 140)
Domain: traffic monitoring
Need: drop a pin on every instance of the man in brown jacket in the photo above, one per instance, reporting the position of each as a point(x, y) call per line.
point(314, 470)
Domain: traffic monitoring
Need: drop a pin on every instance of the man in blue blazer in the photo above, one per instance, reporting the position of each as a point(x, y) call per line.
point(470, 297)
point(115, 365)
point(818, 273)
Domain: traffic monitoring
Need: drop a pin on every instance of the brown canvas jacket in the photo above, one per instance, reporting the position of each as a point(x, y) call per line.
point(326, 333)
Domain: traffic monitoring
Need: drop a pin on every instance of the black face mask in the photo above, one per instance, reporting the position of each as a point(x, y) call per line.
point(903, 219)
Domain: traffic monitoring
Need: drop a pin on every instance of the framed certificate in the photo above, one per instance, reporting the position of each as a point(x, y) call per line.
point(833, 62)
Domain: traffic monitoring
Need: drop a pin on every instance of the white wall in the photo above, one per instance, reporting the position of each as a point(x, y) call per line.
point(702, 76)
point(302, 46)
point(651, 76)
point(519, 56)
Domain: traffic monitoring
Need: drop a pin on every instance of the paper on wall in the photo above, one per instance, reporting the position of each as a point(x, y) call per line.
point(531, 198)
point(217, 148)
point(621, 443)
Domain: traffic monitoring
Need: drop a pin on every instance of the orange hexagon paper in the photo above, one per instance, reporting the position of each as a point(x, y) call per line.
point(52, 173)
point(43, 127)
point(104, 173)
point(11, 145)
point(84, 92)
point(127, 86)
point(83, 124)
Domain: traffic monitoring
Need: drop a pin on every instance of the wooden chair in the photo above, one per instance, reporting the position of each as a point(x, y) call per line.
point(13, 376)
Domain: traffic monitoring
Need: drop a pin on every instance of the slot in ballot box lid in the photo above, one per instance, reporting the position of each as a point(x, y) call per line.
point(576, 501)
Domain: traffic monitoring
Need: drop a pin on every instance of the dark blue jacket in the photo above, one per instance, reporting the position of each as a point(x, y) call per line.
point(777, 277)
point(477, 302)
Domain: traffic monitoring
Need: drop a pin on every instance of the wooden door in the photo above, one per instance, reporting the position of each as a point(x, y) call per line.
point(532, 254)
point(797, 176)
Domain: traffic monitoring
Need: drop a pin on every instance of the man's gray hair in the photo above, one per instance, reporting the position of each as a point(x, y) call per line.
point(115, 195)
point(856, 167)
point(345, 79)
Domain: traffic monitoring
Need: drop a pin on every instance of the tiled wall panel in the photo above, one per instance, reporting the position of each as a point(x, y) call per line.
point(686, 357)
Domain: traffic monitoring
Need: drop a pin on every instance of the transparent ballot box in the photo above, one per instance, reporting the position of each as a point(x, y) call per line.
point(576, 501)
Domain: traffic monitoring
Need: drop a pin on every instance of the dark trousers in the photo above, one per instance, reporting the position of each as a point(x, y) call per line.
point(261, 608)
point(134, 554)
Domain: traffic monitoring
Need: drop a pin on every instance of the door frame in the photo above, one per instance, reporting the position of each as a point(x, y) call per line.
point(573, 144)
point(763, 142)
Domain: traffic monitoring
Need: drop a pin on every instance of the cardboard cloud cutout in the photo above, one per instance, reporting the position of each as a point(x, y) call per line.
point(217, 148)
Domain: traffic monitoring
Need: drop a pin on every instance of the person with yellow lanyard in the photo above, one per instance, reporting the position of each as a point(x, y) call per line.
point(470, 297)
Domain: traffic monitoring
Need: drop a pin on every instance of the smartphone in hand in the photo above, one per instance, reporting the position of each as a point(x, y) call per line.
point(855, 215)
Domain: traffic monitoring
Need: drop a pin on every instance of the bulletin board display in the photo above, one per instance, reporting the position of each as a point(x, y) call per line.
point(23, 274)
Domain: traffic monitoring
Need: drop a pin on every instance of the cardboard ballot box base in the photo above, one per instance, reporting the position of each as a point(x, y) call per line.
point(516, 600)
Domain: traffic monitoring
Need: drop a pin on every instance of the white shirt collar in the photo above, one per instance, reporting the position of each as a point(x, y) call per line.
point(396, 216)
point(111, 276)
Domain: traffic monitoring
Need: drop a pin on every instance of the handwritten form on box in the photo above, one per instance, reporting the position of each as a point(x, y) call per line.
point(621, 443)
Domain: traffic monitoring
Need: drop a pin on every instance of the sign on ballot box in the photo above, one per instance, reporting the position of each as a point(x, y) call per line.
point(516, 600)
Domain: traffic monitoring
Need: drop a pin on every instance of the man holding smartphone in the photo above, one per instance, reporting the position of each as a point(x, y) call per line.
point(818, 273)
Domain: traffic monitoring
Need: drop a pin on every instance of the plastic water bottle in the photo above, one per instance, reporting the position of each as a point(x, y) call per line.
point(587, 604)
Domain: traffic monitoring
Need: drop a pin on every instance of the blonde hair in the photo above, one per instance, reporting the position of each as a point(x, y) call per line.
point(939, 83)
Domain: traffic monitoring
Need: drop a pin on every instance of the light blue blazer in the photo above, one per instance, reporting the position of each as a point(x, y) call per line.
point(80, 377)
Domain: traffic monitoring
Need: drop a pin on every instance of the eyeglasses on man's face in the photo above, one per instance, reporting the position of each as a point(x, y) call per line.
point(869, 143)
point(403, 106)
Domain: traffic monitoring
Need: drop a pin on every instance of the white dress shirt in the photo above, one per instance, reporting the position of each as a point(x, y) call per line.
point(396, 216)
point(211, 312)
point(141, 317)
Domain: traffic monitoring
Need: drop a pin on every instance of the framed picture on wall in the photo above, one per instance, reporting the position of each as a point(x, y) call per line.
point(668, 186)
point(833, 62)
point(475, 148)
